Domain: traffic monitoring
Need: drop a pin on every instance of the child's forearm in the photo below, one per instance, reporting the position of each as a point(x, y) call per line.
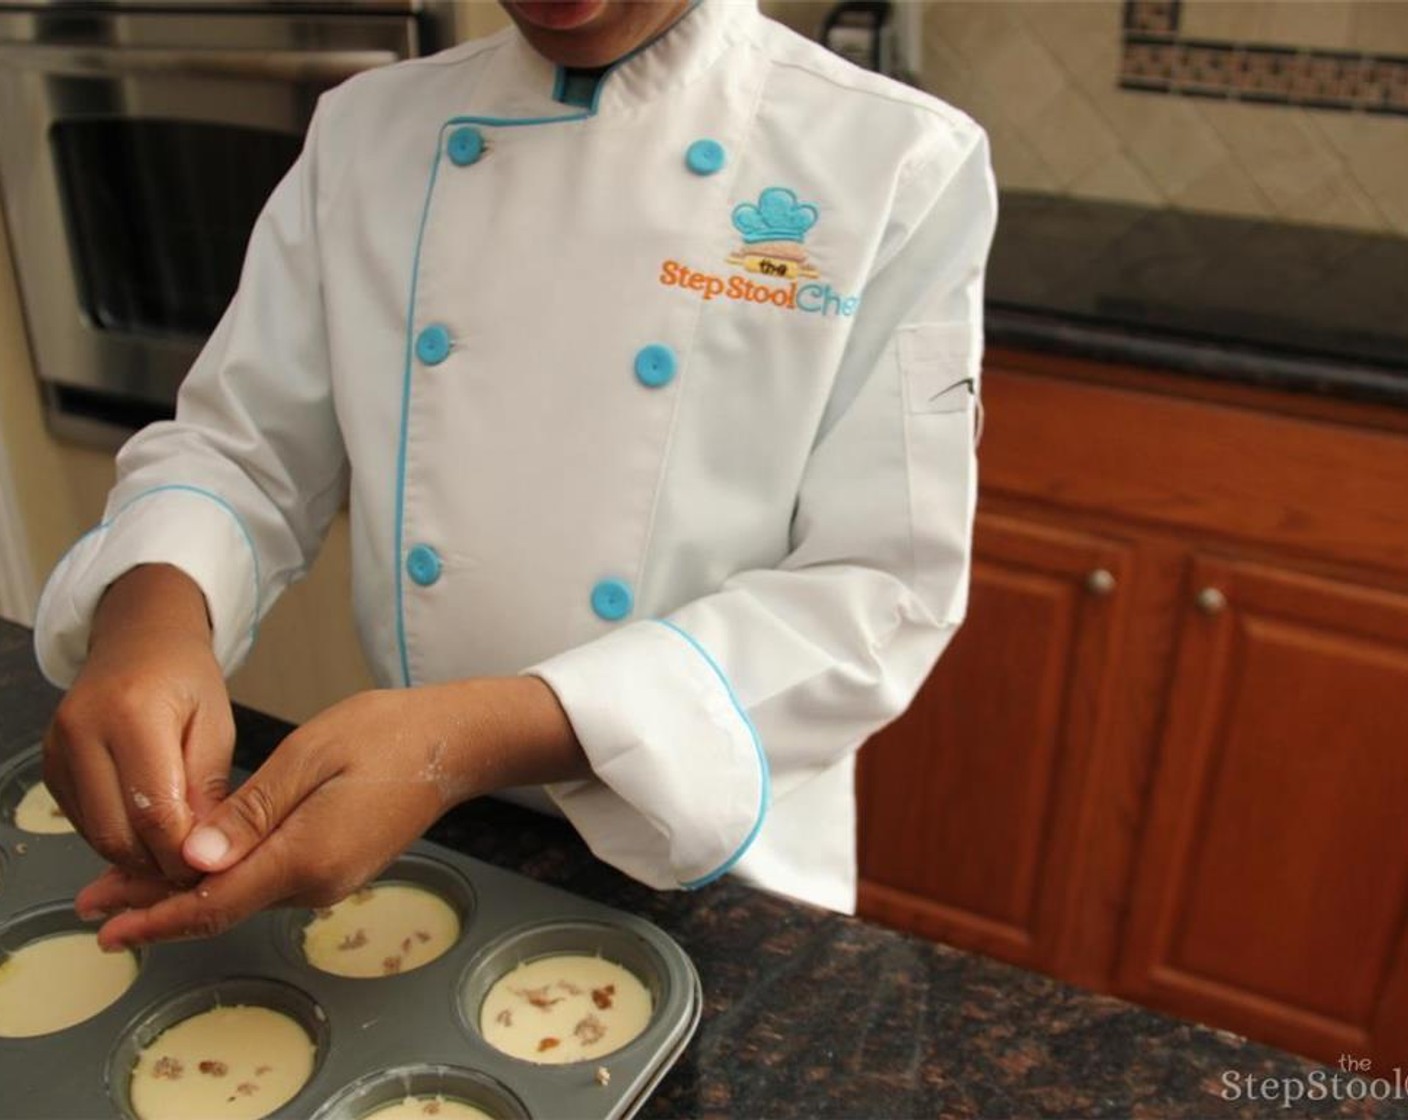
point(150, 599)
point(512, 732)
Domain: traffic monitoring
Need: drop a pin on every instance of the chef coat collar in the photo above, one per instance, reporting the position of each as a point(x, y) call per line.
point(522, 86)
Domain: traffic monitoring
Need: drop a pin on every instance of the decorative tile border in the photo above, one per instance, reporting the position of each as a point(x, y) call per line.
point(1156, 60)
point(1152, 17)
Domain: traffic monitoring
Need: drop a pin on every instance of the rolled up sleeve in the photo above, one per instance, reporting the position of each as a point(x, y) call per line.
point(184, 526)
point(642, 812)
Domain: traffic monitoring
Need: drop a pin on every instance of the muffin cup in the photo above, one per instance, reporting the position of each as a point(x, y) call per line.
point(554, 939)
point(242, 991)
point(377, 1090)
point(16, 776)
point(411, 870)
point(15, 781)
point(52, 920)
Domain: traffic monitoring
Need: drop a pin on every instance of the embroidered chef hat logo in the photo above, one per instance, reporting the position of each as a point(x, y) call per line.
point(778, 216)
point(773, 229)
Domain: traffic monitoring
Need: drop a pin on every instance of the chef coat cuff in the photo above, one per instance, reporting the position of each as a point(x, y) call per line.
point(682, 781)
point(187, 527)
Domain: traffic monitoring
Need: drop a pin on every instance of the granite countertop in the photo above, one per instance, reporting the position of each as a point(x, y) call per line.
point(1309, 309)
point(811, 1014)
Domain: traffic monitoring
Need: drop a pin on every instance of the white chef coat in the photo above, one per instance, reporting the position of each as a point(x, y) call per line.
point(667, 399)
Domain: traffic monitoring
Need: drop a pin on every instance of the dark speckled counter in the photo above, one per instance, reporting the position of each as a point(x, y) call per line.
point(810, 1014)
point(1301, 308)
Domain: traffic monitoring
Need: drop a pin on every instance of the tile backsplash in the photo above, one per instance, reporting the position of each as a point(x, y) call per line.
point(1044, 77)
point(1162, 55)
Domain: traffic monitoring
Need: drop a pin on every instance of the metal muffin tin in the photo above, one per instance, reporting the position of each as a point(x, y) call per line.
point(378, 1040)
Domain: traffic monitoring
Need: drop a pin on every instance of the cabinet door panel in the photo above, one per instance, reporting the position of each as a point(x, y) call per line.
point(967, 803)
point(1272, 887)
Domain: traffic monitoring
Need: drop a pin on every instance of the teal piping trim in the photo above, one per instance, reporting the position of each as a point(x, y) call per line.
point(505, 122)
point(223, 504)
point(765, 794)
point(492, 122)
point(399, 561)
point(576, 89)
point(559, 82)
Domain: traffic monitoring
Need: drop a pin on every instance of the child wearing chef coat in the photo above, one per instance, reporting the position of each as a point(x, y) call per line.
point(642, 341)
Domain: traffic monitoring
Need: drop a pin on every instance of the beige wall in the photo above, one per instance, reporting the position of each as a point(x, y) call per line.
point(1041, 78)
point(307, 654)
point(59, 490)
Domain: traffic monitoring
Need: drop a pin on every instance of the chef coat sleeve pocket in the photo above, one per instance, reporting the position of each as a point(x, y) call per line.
point(938, 366)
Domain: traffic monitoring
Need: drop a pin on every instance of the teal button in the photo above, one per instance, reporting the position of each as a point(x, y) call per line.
point(655, 365)
point(612, 599)
point(466, 146)
point(423, 565)
point(433, 345)
point(704, 157)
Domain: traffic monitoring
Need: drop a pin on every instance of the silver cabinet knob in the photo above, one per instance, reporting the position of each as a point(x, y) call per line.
point(1211, 601)
point(1100, 582)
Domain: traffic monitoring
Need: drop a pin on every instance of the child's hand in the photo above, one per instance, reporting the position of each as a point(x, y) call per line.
point(343, 796)
point(140, 747)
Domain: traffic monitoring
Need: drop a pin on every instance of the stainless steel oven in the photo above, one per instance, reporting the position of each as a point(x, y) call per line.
point(138, 142)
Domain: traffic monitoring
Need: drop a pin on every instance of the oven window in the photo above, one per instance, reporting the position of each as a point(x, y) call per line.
point(159, 213)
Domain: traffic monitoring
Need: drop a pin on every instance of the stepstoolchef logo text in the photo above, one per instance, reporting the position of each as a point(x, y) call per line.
point(773, 231)
point(1353, 1082)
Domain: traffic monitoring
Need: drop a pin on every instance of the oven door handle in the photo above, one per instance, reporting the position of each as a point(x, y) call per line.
point(322, 67)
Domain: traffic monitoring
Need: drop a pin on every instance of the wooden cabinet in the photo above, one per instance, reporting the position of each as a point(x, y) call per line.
point(1167, 755)
point(971, 805)
point(1269, 892)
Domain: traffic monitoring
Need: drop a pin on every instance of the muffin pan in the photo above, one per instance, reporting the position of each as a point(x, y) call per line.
point(378, 1040)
